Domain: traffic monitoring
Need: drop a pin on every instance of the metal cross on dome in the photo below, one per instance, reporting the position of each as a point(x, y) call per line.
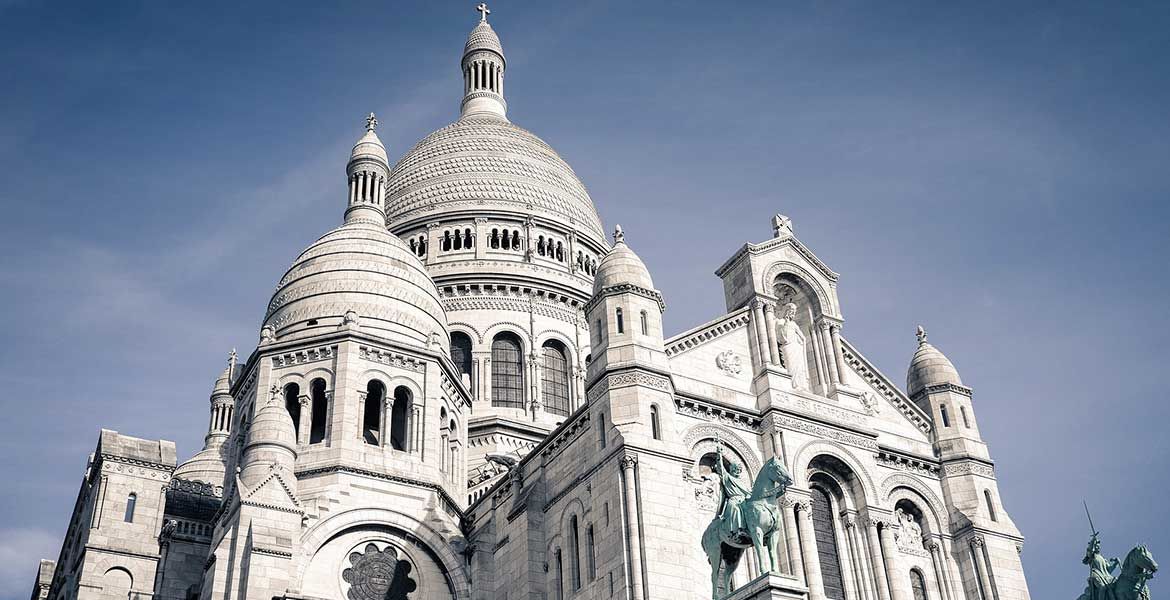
point(371, 122)
point(483, 12)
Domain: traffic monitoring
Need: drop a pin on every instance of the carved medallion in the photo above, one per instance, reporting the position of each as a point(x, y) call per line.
point(378, 575)
point(729, 362)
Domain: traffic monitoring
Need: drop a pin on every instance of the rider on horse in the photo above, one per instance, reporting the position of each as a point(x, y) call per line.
point(1100, 569)
point(734, 493)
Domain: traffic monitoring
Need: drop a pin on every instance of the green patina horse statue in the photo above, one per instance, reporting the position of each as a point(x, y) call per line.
point(724, 541)
point(1138, 568)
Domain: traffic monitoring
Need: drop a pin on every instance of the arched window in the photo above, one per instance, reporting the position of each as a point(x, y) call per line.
point(320, 411)
point(601, 430)
point(824, 530)
point(515, 240)
point(495, 239)
point(292, 403)
point(446, 241)
point(131, 502)
point(918, 584)
point(621, 325)
point(942, 409)
point(507, 371)
point(399, 419)
point(990, 505)
point(645, 324)
point(461, 352)
point(555, 378)
point(575, 553)
point(591, 551)
point(655, 428)
point(372, 412)
point(966, 421)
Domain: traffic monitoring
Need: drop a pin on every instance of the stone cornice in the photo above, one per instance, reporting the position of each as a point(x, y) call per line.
point(626, 288)
point(885, 387)
point(750, 249)
point(942, 387)
point(717, 412)
point(707, 332)
point(447, 499)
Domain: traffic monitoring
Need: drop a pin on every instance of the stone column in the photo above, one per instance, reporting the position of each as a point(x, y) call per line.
point(954, 583)
point(628, 463)
point(981, 567)
point(830, 361)
point(754, 348)
point(770, 325)
point(940, 575)
point(808, 548)
point(864, 575)
point(761, 335)
point(848, 567)
point(361, 415)
point(896, 579)
point(875, 556)
point(838, 354)
point(791, 539)
point(387, 419)
point(306, 420)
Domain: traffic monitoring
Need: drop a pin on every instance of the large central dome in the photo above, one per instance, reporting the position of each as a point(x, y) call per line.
point(484, 161)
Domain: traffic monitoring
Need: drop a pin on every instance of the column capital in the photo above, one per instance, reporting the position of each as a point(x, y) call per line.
point(931, 544)
point(303, 400)
point(628, 461)
point(977, 541)
point(850, 521)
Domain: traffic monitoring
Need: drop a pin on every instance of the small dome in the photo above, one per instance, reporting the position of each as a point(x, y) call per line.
point(363, 268)
point(621, 266)
point(369, 147)
point(483, 37)
point(207, 466)
point(929, 367)
point(272, 426)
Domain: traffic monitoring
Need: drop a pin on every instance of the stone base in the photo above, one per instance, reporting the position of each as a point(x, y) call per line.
point(770, 586)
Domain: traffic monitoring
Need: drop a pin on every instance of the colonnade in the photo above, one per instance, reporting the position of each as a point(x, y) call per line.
point(868, 553)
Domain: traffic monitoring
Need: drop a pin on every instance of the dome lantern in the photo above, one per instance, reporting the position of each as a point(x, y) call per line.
point(483, 68)
point(367, 171)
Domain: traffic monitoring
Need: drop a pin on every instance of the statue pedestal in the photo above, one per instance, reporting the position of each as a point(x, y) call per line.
point(770, 586)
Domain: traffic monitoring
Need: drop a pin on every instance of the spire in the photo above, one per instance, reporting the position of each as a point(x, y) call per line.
point(367, 170)
point(483, 68)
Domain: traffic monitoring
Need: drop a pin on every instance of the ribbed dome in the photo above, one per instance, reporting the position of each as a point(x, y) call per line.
point(272, 426)
point(363, 268)
point(929, 367)
point(483, 37)
point(621, 266)
point(369, 146)
point(488, 164)
point(206, 466)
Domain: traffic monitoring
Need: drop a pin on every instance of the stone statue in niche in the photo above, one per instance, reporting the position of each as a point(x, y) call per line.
point(792, 341)
point(911, 536)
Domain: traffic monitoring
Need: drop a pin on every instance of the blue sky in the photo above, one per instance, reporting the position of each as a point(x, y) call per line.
point(995, 171)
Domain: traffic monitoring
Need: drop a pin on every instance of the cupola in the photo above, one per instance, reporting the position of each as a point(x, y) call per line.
point(483, 70)
point(929, 367)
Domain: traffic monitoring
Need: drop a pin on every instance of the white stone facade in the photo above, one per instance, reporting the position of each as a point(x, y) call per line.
point(465, 392)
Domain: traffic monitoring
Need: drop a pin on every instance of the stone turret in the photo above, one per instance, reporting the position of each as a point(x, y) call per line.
point(986, 537)
point(209, 464)
point(367, 171)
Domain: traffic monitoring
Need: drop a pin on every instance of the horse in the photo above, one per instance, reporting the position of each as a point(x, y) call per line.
point(1138, 567)
point(725, 548)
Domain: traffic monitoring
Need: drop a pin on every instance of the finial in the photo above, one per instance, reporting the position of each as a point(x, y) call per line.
point(371, 122)
point(781, 225)
point(232, 364)
point(619, 236)
point(483, 12)
point(921, 335)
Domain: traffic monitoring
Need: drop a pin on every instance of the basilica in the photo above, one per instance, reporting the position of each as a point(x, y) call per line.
point(465, 392)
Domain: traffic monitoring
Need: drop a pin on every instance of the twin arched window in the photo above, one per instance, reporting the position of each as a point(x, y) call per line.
point(555, 378)
point(374, 414)
point(507, 371)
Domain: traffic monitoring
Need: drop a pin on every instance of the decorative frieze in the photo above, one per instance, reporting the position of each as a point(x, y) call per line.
point(300, 357)
point(969, 467)
point(815, 429)
point(901, 462)
point(723, 415)
point(393, 359)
